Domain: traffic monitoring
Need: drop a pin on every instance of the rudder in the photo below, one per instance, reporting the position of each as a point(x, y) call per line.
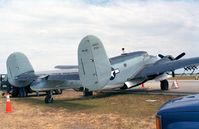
point(18, 64)
point(94, 65)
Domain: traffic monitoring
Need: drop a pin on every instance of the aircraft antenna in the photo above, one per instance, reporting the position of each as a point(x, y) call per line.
point(123, 50)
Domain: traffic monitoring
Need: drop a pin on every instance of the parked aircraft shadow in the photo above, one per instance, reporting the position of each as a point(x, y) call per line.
point(77, 103)
point(109, 93)
point(67, 104)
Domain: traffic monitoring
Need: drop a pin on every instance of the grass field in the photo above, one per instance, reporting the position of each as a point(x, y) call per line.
point(70, 111)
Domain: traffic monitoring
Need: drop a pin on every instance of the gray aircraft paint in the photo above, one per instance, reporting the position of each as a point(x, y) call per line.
point(130, 59)
point(17, 64)
point(134, 68)
point(93, 62)
point(116, 62)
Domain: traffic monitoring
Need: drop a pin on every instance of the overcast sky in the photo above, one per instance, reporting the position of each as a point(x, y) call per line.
point(49, 31)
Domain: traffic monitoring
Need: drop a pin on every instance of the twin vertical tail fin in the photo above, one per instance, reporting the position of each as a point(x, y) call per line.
point(94, 65)
point(18, 64)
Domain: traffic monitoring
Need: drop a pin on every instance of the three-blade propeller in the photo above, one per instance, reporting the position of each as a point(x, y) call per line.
point(180, 56)
point(172, 59)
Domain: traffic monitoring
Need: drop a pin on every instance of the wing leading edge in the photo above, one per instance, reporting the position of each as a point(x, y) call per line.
point(167, 66)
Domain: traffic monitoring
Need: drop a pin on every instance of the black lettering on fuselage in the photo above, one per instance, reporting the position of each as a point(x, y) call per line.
point(85, 50)
point(95, 46)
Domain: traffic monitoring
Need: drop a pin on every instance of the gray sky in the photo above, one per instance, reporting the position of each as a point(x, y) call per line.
point(49, 31)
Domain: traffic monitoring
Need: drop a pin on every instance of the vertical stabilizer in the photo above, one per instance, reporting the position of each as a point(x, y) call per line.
point(18, 64)
point(94, 65)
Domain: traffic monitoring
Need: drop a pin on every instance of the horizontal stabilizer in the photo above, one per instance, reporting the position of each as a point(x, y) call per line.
point(66, 67)
point(94, 65)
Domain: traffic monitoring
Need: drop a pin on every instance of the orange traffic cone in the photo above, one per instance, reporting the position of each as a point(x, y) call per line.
point(175, 84)
point(8, 104)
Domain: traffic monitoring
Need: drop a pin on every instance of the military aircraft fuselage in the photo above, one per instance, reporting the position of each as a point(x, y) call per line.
point(95, 71)
point(124, 70)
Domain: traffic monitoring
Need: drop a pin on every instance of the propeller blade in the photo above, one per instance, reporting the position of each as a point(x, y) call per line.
point(160, 55)
point(180, 56)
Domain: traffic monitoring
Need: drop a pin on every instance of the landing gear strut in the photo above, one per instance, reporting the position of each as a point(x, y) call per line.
point(87, 92)
point(164, 85)
point(22, 92)
point(15, 91)
point(49, 98)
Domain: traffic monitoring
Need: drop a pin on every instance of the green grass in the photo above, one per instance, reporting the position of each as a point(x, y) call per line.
point(131, 105)
point(104, 110)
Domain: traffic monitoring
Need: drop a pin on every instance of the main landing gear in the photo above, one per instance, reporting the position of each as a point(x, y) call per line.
point(49, 98)
point(87, 92)
point(164, 85)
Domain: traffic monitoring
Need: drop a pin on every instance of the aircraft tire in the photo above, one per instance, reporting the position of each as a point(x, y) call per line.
point(87, 93)
point(48, 100)
point(164, 85)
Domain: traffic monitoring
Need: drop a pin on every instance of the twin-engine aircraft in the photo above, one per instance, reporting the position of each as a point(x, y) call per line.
point(95, 71)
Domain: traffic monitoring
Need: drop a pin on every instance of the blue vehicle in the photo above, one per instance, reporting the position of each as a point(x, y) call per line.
point(180, 113)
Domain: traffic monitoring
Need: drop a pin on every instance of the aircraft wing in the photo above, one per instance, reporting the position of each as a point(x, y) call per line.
point(28, 76)
point(167, 66)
